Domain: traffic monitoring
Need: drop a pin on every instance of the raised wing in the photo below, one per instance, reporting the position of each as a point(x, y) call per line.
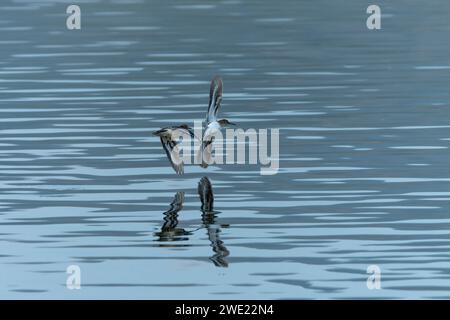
point(173, 154)
point(187, 132)
point(215, 97)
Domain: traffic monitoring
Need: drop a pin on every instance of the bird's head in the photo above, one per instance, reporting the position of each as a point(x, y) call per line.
point(159, 132)
point(224, 123)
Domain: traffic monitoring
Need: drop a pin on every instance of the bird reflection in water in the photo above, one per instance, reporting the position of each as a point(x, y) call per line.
point(209, 222)
point(171, 232)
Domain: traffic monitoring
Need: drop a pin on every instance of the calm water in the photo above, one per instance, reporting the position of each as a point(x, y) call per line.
point(364, 166)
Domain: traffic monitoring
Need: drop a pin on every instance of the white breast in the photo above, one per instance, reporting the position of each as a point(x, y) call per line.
point(212, 129)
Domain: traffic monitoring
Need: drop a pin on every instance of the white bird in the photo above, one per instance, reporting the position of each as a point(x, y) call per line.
point(213, 125)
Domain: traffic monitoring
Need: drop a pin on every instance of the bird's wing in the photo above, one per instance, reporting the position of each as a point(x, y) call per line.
point(215, 97)
point(188, 132)
point(173, 154)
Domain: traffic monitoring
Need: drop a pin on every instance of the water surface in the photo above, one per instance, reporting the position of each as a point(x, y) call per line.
point(364, 127)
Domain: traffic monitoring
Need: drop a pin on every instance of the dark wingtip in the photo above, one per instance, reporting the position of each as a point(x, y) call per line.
point(217, 81)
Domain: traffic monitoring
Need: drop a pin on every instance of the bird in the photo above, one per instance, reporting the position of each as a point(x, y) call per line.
point(213, 125)
point(169, 137)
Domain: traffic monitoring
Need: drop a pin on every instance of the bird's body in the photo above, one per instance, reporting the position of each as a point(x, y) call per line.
point(212, 129)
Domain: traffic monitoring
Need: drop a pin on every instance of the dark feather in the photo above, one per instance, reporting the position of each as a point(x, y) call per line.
point(168, 146)
point(206, 195)
point(215, 98)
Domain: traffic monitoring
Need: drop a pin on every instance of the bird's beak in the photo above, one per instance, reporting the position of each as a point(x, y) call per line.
point(231, 123)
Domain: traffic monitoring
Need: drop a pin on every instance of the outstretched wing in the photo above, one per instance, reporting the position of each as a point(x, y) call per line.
point(186, 131)
point(215, 97)
point(173, 154)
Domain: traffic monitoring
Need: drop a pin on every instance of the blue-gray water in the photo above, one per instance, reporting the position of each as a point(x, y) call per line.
point(364, 124)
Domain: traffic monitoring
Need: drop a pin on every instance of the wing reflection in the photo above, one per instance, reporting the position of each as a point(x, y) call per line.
point(210, 223)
